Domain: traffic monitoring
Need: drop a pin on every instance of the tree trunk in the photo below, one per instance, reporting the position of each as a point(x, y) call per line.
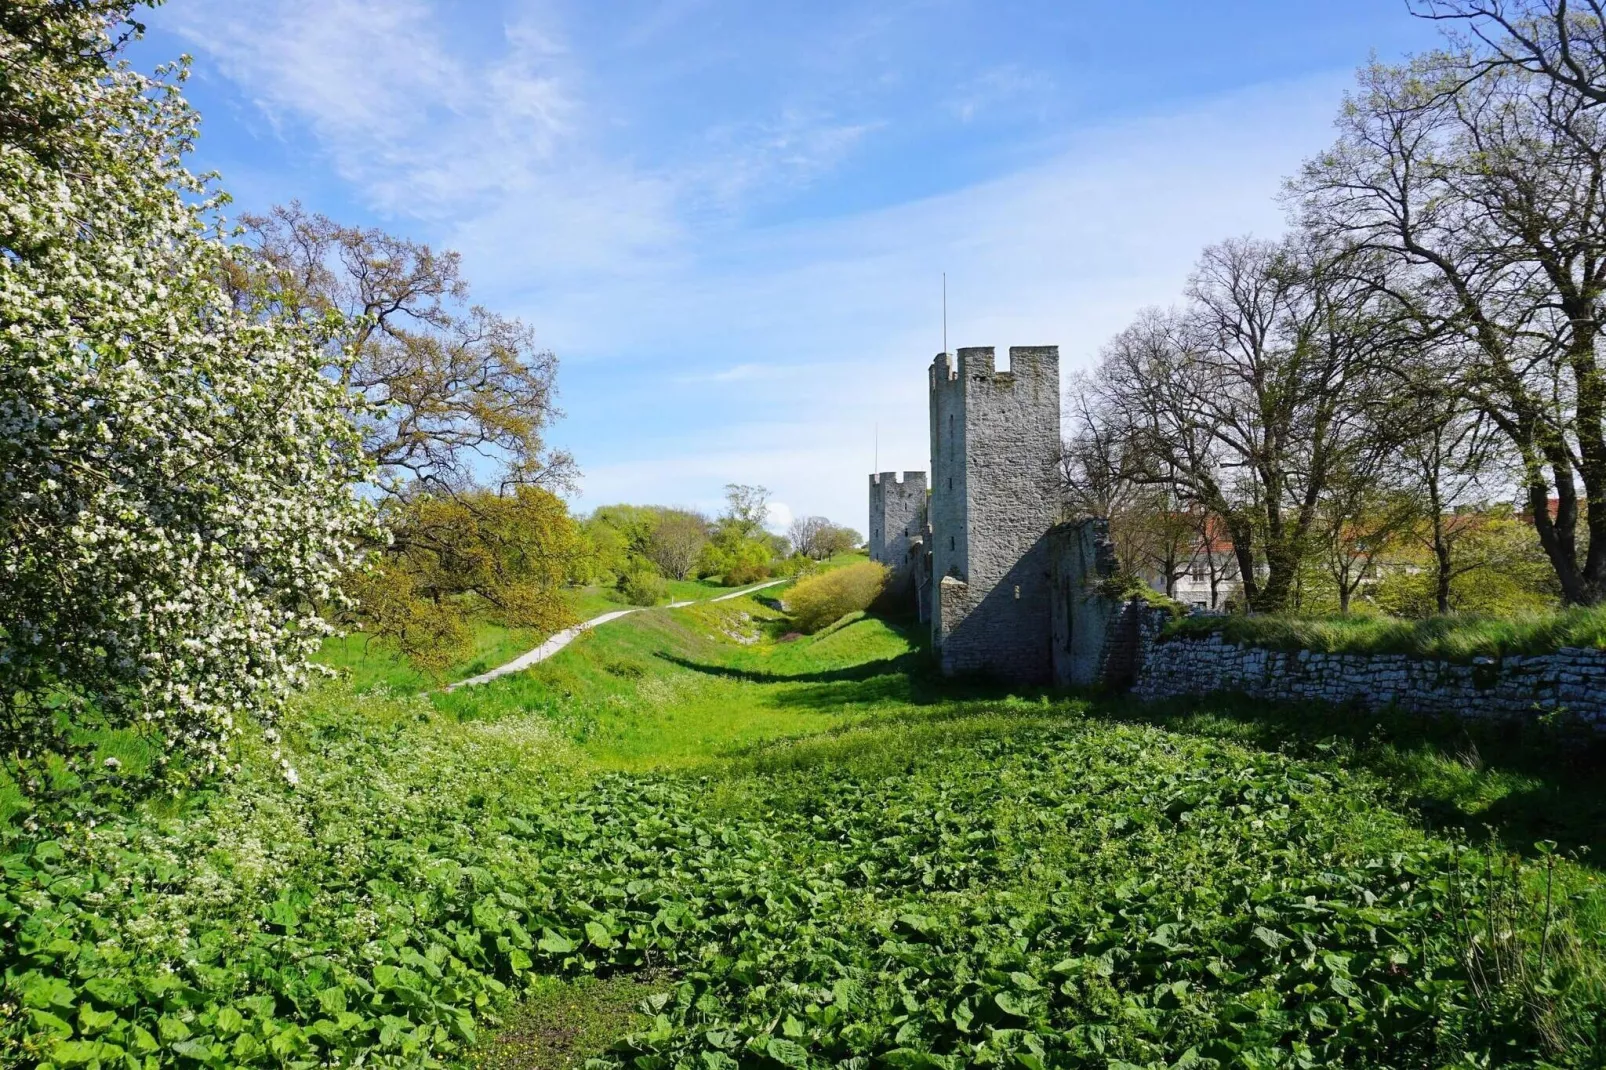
point(1441, 579)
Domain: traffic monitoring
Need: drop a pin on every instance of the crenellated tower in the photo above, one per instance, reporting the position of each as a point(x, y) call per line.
point(995, 440)
point(897, 517)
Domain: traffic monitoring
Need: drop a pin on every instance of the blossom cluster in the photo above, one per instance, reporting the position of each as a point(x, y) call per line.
point(177, 468)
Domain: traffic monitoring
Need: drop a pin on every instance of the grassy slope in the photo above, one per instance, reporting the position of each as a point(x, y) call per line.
point(959, 871)
point(669, 688)
point(1456, 637)
point(369, 663)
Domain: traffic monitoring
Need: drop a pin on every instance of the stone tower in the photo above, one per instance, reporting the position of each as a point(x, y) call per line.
point(897, 517)
point(995, 438)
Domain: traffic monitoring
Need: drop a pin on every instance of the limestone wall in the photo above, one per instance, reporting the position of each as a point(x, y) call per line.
point(897, 519)
point(1572, 680)
point(995, 494)
point(1084, 619)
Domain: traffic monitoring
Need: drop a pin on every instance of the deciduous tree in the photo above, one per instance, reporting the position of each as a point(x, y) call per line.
point(1246, 401)
point(456, 394)
point(176, 466)
point(456, 557)
point(1482, 180)
point(677, 540)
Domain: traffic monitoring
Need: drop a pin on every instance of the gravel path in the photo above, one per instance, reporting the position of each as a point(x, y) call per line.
point(569, 635)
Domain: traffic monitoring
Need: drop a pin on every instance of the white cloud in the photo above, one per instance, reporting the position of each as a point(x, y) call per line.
point(778, 517)
point(490, 147)
point(766, 159)
point(695, 354)
point(1062, 253)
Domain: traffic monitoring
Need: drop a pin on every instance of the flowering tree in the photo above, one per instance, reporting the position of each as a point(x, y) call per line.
point(176, 470)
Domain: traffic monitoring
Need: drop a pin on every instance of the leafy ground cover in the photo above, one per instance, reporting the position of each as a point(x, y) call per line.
point(799, 853)
point(1456, 637)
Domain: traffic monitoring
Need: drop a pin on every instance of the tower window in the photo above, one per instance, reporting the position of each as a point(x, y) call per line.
point(950, 542)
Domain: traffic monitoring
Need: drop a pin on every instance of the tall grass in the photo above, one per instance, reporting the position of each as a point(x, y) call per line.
point(1457, 637)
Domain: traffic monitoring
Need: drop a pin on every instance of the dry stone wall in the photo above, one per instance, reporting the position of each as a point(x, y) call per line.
point(1571, 681)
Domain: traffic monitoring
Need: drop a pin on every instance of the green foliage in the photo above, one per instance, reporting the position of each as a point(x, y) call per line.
point(816, 601)
point(817, 539)
point(1499, 570)
point(1009, 883)
point(1126, 586)
point(1455, 637)
point(677, 540)
point(736, 560)
point(629, 538)
point(456, 558)
point(642, 586)
point(176, 465)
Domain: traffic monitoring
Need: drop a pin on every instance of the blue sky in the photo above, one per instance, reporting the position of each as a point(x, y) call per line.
point(730, 219)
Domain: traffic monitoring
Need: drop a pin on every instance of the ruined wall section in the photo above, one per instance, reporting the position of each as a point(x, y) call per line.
point(995, 495)
point(897, 520)
point(1085, 615)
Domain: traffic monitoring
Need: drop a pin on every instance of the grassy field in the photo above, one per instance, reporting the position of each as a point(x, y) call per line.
point(684, 841)
point(1456, 637)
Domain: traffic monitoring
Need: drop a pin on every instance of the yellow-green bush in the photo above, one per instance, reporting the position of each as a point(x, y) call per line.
point(817, 601)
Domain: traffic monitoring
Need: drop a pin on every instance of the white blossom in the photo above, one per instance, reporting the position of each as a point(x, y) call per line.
point(176, 468)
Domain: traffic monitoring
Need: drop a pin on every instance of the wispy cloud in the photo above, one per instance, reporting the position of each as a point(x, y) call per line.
point(747, 373)
point(409, 122)
point(463, 140)
point(1009, 87)
point(773, 157)
point(700, 347)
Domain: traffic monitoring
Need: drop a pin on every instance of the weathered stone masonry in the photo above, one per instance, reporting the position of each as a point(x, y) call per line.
point(1571, 681)
point(897, 521)
point(1011, 593)
point(994, 497)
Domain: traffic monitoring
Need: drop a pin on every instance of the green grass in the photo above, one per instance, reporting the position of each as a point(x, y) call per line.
point(684, 842)
point(1453, 637)
point(668, 688)
point(369, 662)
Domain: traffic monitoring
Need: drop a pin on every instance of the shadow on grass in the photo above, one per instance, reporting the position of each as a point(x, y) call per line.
point(903, 664)
point(909, 677)
point(1525, 781)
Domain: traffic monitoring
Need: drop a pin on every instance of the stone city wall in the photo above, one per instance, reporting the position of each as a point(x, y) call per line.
point(1571, 681)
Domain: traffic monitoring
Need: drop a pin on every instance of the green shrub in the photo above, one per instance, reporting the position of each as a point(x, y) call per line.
point(738, 562)
point(642, 586)
point(818, 600)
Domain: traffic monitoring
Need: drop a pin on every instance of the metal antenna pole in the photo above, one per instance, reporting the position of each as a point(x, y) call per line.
point(945, 313)
point(877, 467)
